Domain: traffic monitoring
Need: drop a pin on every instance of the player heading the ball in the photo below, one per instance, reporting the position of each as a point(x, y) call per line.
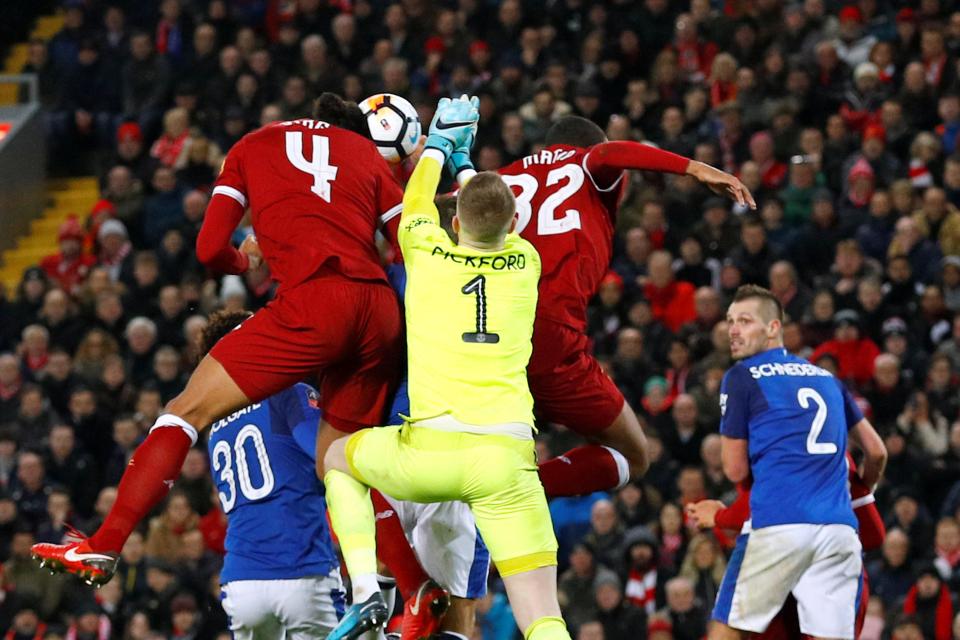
point(470, 433)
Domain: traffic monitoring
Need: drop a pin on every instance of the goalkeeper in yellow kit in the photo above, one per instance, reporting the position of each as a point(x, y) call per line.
point(470, 308)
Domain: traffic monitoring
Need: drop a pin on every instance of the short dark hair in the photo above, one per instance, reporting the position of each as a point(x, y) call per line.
point(756, 292)
point(336, 111)
point(220, 324)
point(575, 132)
point(486, 206)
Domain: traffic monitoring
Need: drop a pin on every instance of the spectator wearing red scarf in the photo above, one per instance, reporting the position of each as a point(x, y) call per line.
point(640, 551)
point(930, 602)
point(947, 549)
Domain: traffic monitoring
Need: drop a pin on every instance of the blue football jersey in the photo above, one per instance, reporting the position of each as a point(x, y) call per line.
point(795, 416)
point(268, 487)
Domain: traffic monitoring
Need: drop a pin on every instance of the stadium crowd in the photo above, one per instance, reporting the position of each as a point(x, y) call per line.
point(842, 118)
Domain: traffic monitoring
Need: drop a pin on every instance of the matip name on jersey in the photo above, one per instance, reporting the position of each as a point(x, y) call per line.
point(510, 262)
point(219, 424)
point(547, 156)
point(786, 369)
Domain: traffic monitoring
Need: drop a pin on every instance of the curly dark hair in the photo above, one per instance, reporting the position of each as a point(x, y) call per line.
point(334, 110)
point(220, 324)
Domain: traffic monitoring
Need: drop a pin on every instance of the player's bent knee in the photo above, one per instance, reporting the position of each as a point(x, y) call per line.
point(335, 459)
point(547, 628)
point(626, 436)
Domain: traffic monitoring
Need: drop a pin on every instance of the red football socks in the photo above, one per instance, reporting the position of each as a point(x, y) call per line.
point(581, 471)
point(150, 474)
point(393, 548)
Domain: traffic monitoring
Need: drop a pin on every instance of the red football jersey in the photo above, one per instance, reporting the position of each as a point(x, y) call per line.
point(317, 194)
point(570, 220)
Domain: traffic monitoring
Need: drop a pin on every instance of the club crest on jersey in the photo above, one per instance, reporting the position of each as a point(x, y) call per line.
point(548, 157)
point(416, 222)
point(313, 399)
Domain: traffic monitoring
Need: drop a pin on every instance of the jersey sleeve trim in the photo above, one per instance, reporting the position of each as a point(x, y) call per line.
point(863, 501)
point(391, 213)
point(613, 186)
point(231, 192)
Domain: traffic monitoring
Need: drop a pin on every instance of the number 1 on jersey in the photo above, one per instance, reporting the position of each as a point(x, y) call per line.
point(477, 286)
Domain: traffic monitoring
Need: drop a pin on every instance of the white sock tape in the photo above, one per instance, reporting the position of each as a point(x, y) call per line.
point(170, 420)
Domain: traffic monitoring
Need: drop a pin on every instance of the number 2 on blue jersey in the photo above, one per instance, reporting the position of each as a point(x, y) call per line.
point(223, 464)
point(804, 396)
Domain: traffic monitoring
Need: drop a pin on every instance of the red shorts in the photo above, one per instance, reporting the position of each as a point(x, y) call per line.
point(567, 383)
point(344, 335)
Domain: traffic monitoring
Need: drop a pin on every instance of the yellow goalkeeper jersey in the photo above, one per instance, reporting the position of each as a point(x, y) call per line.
point(469, 317)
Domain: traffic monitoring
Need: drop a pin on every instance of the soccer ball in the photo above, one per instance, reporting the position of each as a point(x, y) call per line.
point(394, 125)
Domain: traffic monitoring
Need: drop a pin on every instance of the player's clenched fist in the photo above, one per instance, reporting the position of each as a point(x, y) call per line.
point(250, 247)
point(703, 513)
point(454, 124)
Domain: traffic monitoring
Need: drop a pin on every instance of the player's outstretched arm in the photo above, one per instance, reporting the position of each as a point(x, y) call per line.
point(875, 452)
point(422, 187)
point(607, 160)
point(453, 127)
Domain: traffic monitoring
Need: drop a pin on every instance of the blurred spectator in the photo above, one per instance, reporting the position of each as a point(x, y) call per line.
point(90, 425)
point(165, 540)
point(35, 417)
point(671, 301)
point(619, 618)
point(69, 467)
point(30, 489)
point(703, 566)
point(930, 602)
point(146, 81)
point(922, 254)
point(575, 588)
point(685, 435)
point(855, 355)
point(606, 534)
point(68, 267)
point(687, 618)
point(644, 584)
point(162, 211)
point(887, 393)
point(43, 592)
point(132, 569)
